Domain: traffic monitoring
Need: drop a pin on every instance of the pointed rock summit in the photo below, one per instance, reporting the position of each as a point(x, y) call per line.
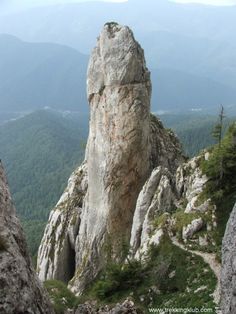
point(20, 290)
point(94, 217)
point(117, 60)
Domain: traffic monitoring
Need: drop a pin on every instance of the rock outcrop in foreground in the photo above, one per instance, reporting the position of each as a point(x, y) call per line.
point(228, 274)
point(20, 290)
point(126, 307)
point(95, 214)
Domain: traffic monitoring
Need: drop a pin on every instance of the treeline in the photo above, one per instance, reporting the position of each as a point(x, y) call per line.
point(194, 130)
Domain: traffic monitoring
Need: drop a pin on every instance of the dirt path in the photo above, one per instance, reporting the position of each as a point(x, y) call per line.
point(210, 259)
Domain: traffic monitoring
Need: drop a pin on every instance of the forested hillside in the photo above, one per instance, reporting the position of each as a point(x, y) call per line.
point(38, 75)
point(41, 150)
point(34, 76)
point(194, 130)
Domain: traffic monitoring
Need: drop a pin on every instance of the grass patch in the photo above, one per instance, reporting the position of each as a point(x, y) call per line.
point(161, 221)
point(190, 273)
point(182, 220)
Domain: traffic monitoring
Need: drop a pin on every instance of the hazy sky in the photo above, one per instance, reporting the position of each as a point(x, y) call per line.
point(18, 4)
point(35, 2)
point(212, 2)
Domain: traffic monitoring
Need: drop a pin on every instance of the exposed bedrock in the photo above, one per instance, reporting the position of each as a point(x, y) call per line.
point(20, 289)
point(228, 273)
point(125, 144)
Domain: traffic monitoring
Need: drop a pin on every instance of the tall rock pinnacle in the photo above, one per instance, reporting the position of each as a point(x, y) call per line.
point(20, 290)
point(118, 147)
point(94, 216)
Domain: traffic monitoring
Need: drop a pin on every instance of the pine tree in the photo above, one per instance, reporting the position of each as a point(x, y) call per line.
point(218, 129)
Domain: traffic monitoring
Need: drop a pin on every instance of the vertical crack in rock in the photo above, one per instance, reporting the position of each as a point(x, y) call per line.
point(20, 289)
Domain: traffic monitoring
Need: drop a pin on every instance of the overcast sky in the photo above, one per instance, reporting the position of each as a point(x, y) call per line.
point(17, 4)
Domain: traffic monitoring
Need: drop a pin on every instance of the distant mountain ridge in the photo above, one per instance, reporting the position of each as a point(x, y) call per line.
point(34, 76)
point(195, 38)
point(38, 75)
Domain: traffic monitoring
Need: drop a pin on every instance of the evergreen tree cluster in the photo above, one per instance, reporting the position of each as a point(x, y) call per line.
point(221, 165)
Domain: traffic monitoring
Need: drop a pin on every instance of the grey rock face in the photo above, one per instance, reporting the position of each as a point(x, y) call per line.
point(156, 197)
point(166, 149)
point(127, 307)
point(118, 147)
point(125, 144)
point(56, 255)
point(20, 289)
point(192, 228)
point(164, 192)
point(116, 60)
point(228, 273)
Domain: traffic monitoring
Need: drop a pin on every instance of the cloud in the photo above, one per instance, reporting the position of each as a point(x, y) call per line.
point(209, 2)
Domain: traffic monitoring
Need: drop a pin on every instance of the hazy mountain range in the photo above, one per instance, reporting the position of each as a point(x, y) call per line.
point(190, 50)
point(36, 75)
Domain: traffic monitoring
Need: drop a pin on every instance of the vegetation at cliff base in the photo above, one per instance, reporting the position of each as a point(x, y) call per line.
point(61, 297)
point(168, 276)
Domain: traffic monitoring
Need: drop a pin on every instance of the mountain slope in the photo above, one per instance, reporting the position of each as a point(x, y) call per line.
point(33, 76)
point(39, 152)
point(40, 144)
point(178, 91)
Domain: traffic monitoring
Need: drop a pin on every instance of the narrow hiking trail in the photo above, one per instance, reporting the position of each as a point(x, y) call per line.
point(210, 259)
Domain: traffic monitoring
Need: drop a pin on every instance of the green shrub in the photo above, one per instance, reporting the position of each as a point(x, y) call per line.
point(116, 279)
point(182, 219)
point(167, 259)
point(151, 284)
point(61, 297)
